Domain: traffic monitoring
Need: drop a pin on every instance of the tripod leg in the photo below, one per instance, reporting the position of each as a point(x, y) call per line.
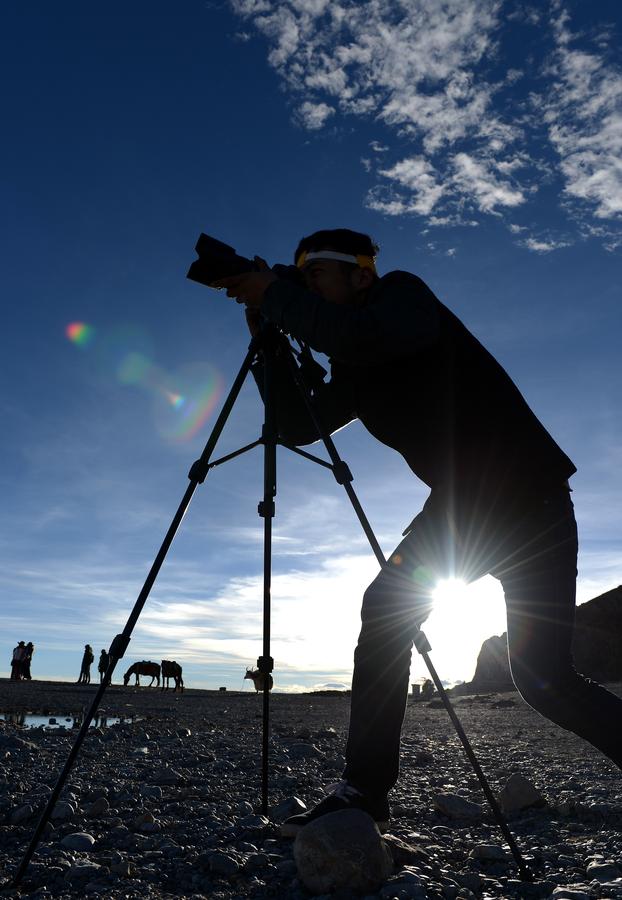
point(119, 645)
point(266, 510)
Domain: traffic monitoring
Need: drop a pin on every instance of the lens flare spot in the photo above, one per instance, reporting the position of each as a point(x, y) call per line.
point(186, 401)
point(80, 333)
point(175, 400)
point(183, 400)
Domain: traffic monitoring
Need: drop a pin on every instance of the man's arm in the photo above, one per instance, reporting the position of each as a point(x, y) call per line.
point(402, 318)
point(331, 403)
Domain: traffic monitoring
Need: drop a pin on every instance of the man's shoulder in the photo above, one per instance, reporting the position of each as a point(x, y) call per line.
point(400, 284)
point(400, 278)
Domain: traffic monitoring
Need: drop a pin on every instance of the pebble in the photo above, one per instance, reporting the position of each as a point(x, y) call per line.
point(184, 818)
point(80, 840)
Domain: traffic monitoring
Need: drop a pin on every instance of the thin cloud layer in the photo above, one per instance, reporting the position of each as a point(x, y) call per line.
point(470, 136)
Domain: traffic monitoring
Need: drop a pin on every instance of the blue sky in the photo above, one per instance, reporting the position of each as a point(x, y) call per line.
point(479, 142)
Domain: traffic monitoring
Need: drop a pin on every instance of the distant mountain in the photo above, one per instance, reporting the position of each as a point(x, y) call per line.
point(597, 646)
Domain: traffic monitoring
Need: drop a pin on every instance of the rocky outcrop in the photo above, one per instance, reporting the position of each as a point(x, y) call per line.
point(493, 670)
point(596, 646)
point(598, 637)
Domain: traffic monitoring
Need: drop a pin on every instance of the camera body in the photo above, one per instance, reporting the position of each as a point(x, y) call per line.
point(218, 260)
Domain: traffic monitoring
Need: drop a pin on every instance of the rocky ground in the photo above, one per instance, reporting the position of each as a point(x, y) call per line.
point(169, 805)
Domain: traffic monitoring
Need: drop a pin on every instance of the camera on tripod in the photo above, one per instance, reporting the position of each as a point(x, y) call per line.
point(218, 260)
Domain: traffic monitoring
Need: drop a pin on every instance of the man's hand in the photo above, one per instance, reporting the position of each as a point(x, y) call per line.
point(249, 288)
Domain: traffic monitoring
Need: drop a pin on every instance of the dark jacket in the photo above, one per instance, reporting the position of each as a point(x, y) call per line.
point(421, 383)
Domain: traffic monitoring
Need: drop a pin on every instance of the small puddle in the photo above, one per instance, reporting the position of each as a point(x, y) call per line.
point(62, 722)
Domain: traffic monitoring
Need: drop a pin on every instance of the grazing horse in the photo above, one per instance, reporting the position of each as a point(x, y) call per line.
point(257, 678)
point(143, 668)
point(172, 669)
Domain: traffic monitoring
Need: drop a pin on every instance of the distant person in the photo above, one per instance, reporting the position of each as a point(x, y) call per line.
point(29, 649)
point(102, 665)
point(17, 660)
point(417, 379)
point(85, 668)
point(427, 689)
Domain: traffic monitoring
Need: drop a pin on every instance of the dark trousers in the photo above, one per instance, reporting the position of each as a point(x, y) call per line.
point(531, 547)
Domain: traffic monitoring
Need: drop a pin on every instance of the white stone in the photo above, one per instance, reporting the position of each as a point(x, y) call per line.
point(292, 806)
point(603, 871)
point(456, 807)
point(569, 893)
point(78, 841)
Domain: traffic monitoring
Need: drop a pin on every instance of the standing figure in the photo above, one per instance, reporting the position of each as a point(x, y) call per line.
point(85, 668)
point(102, 665)
point(16, 661)
point(29, 649)
point(417, 379)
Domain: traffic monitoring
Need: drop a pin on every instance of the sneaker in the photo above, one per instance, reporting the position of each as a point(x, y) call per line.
point(344, 796)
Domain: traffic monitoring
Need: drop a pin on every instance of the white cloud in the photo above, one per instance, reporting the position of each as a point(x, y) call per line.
point(583, 113)
point(421, 179)
point(411, 66)
point(314, 115)
point(476, 178)
point(540, 246)
point(430, 72)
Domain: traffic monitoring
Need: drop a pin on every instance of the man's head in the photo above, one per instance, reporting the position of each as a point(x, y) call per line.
point(338, 265)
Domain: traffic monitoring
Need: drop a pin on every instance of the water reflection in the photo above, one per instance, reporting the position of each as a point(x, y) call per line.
point(59, 722)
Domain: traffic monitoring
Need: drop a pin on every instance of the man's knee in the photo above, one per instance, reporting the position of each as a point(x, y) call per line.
point(547, 692)
point(389, 604)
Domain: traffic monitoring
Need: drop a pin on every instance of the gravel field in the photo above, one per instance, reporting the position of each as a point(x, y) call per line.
point(168, 805)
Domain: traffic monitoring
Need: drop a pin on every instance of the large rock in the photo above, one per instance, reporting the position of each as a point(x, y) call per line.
point(342, 850)
point(493, 669)
point(596, 646)
point(598, 635)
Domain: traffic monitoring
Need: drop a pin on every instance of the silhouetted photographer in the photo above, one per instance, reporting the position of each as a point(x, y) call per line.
point(499, 503)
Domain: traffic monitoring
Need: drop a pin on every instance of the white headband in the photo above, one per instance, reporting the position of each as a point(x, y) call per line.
point(365, 262)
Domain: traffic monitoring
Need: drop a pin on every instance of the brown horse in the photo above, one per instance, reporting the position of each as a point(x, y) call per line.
point(258, 679)
point(150, 669)
point(172, 669)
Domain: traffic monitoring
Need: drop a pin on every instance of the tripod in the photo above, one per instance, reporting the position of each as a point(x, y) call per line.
point(271, 347)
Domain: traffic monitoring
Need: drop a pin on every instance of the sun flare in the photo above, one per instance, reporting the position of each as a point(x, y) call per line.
point(464, 615)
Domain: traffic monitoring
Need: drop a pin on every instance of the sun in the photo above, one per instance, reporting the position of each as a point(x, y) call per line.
point(464, 615)
point(448, 592)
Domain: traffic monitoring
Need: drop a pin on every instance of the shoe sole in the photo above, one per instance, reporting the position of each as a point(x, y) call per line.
point(293, 829)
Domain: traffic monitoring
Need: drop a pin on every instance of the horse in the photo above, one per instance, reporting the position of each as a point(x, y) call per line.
point(143, 668)
point(172, 669)
point(258, 679)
